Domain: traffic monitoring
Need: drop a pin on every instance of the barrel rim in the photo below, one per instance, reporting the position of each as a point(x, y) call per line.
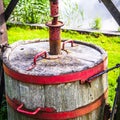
point(81, 76)
point(24, 42)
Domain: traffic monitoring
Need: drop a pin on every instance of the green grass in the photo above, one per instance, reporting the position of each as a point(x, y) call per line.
point(25, 33)
point(110, 44)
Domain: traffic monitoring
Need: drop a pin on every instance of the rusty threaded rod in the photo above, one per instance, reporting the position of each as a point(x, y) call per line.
point(54, 21)
point(55, 40)
point(54, 8)
point(54, 29)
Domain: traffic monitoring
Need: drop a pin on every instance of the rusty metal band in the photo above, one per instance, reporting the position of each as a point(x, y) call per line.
point(63, 115)
point(81, 76)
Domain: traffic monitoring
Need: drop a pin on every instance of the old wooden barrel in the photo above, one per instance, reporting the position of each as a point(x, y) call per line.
point(40, 86)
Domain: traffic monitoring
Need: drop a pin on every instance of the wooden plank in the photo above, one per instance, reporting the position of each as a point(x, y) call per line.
point(113, 10)
point(3, 40)
point(3, 36)
point(63, 97)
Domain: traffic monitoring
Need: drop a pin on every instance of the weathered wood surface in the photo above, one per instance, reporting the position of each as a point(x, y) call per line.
point(83, 56)
point(63, 97)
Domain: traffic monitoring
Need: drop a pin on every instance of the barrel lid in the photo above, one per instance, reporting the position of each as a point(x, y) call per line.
point(19, 56)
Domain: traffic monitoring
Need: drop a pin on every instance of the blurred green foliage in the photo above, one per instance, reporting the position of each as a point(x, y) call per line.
point(30, 11)
point(96, 24)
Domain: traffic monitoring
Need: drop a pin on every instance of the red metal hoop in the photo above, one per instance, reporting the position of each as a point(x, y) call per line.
point(53, 115)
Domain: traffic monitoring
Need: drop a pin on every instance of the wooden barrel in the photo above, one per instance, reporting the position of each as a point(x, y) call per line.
point(40, 86)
